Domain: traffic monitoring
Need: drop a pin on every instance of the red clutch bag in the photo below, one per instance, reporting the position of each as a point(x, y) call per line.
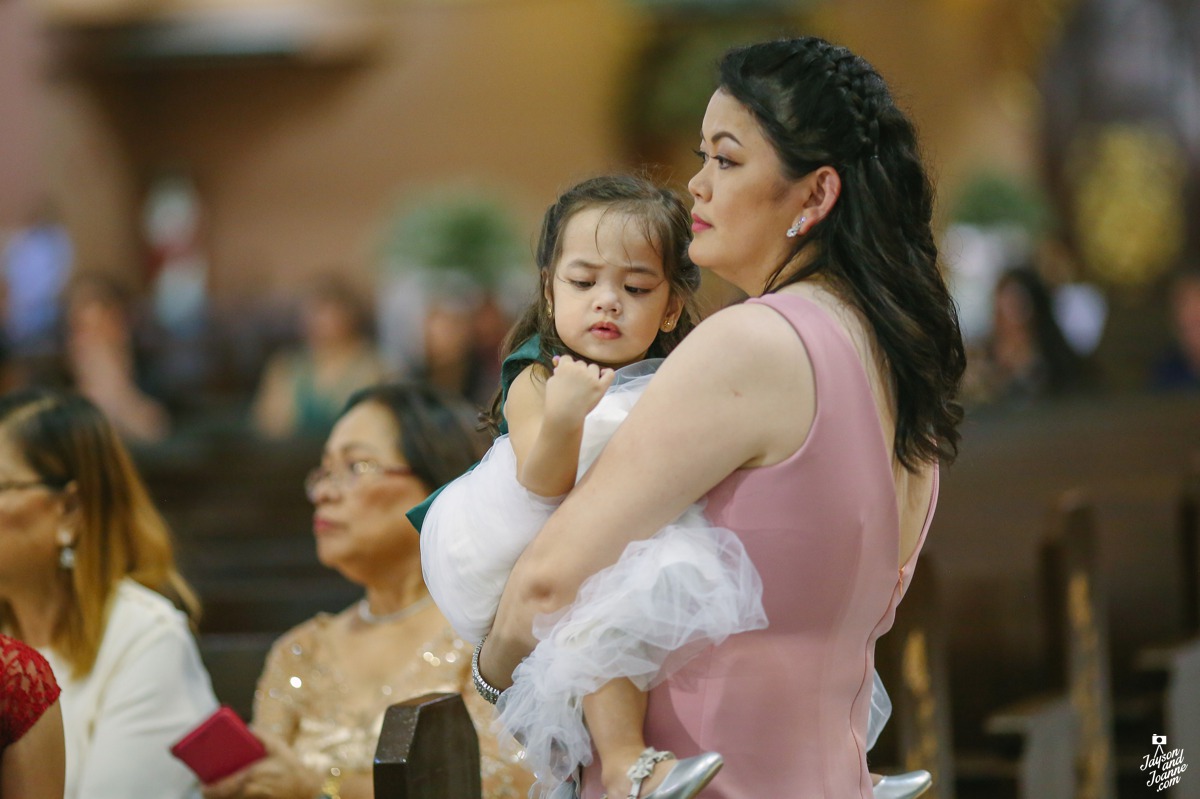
point(221, 745)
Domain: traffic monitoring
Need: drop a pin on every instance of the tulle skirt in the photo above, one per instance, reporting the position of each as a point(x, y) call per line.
point(480, 523)
point(688, 587)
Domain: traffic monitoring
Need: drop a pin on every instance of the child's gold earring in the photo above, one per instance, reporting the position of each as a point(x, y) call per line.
point(549, 311)
point(668, 325)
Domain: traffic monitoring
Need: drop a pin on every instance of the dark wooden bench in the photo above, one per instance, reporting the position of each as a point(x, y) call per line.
point(1066, 738)
point(234, 662)
point(428, 749)
point(1129, 451)
point(1179, 661)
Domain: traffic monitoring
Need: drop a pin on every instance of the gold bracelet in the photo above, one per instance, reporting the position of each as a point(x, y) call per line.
point(332, 785)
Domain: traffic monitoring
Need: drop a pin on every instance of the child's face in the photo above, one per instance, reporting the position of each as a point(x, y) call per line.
point(608, 291)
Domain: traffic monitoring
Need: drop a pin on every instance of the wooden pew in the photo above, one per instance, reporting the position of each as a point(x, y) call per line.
point(428, 749)
point(1129, 451)
point(1189, 547)
point(234, 662)
point(912, 662)
point(1067, 738)
point(1179, 661)
point(1182, 700)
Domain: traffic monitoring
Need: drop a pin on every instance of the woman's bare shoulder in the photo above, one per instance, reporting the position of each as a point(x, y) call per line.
point(743, 371)
point(740, 342)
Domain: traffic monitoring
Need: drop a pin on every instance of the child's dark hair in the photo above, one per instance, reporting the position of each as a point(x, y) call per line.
point(666, 223)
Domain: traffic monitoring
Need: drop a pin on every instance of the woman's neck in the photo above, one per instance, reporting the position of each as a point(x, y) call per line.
point(336, 350)
point(387, 596)
point(37, 611)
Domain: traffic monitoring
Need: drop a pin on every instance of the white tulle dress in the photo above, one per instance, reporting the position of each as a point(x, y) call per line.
point(687, 587)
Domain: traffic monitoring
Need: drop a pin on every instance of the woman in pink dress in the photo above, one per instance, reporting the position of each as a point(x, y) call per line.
point(812, 418)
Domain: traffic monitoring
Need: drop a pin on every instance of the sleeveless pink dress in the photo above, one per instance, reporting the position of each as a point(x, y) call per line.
point(787, 706)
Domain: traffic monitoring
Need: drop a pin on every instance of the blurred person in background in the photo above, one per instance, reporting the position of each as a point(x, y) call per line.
point(32, 759)
point(452, 358)
point(322, 695)
point(101, 361)
point(88, 577)
point(1028, 358)
point(8, 372)
point(1179, 366)
point(302, 390)
point(37, 263)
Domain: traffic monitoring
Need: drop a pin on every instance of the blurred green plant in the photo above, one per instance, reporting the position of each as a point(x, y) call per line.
point(994, 199)
point(469, 232)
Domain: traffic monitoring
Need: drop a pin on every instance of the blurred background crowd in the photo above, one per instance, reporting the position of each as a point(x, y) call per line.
point(240, 214)
point(218, 220)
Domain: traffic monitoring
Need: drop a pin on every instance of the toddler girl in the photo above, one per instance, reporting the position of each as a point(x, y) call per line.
point(616, 294)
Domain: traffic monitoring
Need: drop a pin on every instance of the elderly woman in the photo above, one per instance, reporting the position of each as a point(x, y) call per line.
point(812, 419)
point(326, 684)
point(87, 577)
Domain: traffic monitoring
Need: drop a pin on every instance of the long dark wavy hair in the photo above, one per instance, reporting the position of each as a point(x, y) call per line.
point(821, 105)
point(666, 223)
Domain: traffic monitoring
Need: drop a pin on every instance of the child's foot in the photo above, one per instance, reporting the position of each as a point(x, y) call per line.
point(658, 775)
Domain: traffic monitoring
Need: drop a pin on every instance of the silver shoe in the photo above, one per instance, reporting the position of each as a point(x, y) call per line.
point(908, 785)
point(687, 778)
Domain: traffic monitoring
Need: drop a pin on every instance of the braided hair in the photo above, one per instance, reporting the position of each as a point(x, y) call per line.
point(819, 104)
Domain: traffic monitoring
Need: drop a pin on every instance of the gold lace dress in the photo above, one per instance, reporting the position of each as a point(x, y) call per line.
point(304, 699)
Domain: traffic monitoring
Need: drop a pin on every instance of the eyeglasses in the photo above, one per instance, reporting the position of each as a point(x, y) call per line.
point(348, 475)
point(18, 485)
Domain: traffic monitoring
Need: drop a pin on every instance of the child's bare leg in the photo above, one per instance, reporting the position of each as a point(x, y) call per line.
point(615, 715)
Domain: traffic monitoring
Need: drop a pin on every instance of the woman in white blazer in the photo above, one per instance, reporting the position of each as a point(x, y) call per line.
point(87, 576)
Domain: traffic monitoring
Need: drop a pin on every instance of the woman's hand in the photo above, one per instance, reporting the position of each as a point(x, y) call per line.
point(573, 390)
point(279, 775)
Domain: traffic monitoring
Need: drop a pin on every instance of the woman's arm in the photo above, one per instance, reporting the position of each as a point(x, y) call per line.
point(155, 693)
point(737, 392)
point(34, 766)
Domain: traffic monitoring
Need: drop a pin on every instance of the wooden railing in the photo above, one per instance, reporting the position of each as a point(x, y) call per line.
point(428, 750)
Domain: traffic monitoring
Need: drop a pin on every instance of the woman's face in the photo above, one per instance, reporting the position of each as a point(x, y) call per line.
point(359, 521)
point(743, 204)
point(327, 321)
point(31, 517)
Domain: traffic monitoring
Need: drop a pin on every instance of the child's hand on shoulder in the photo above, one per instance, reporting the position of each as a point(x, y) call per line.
point(574, 389)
